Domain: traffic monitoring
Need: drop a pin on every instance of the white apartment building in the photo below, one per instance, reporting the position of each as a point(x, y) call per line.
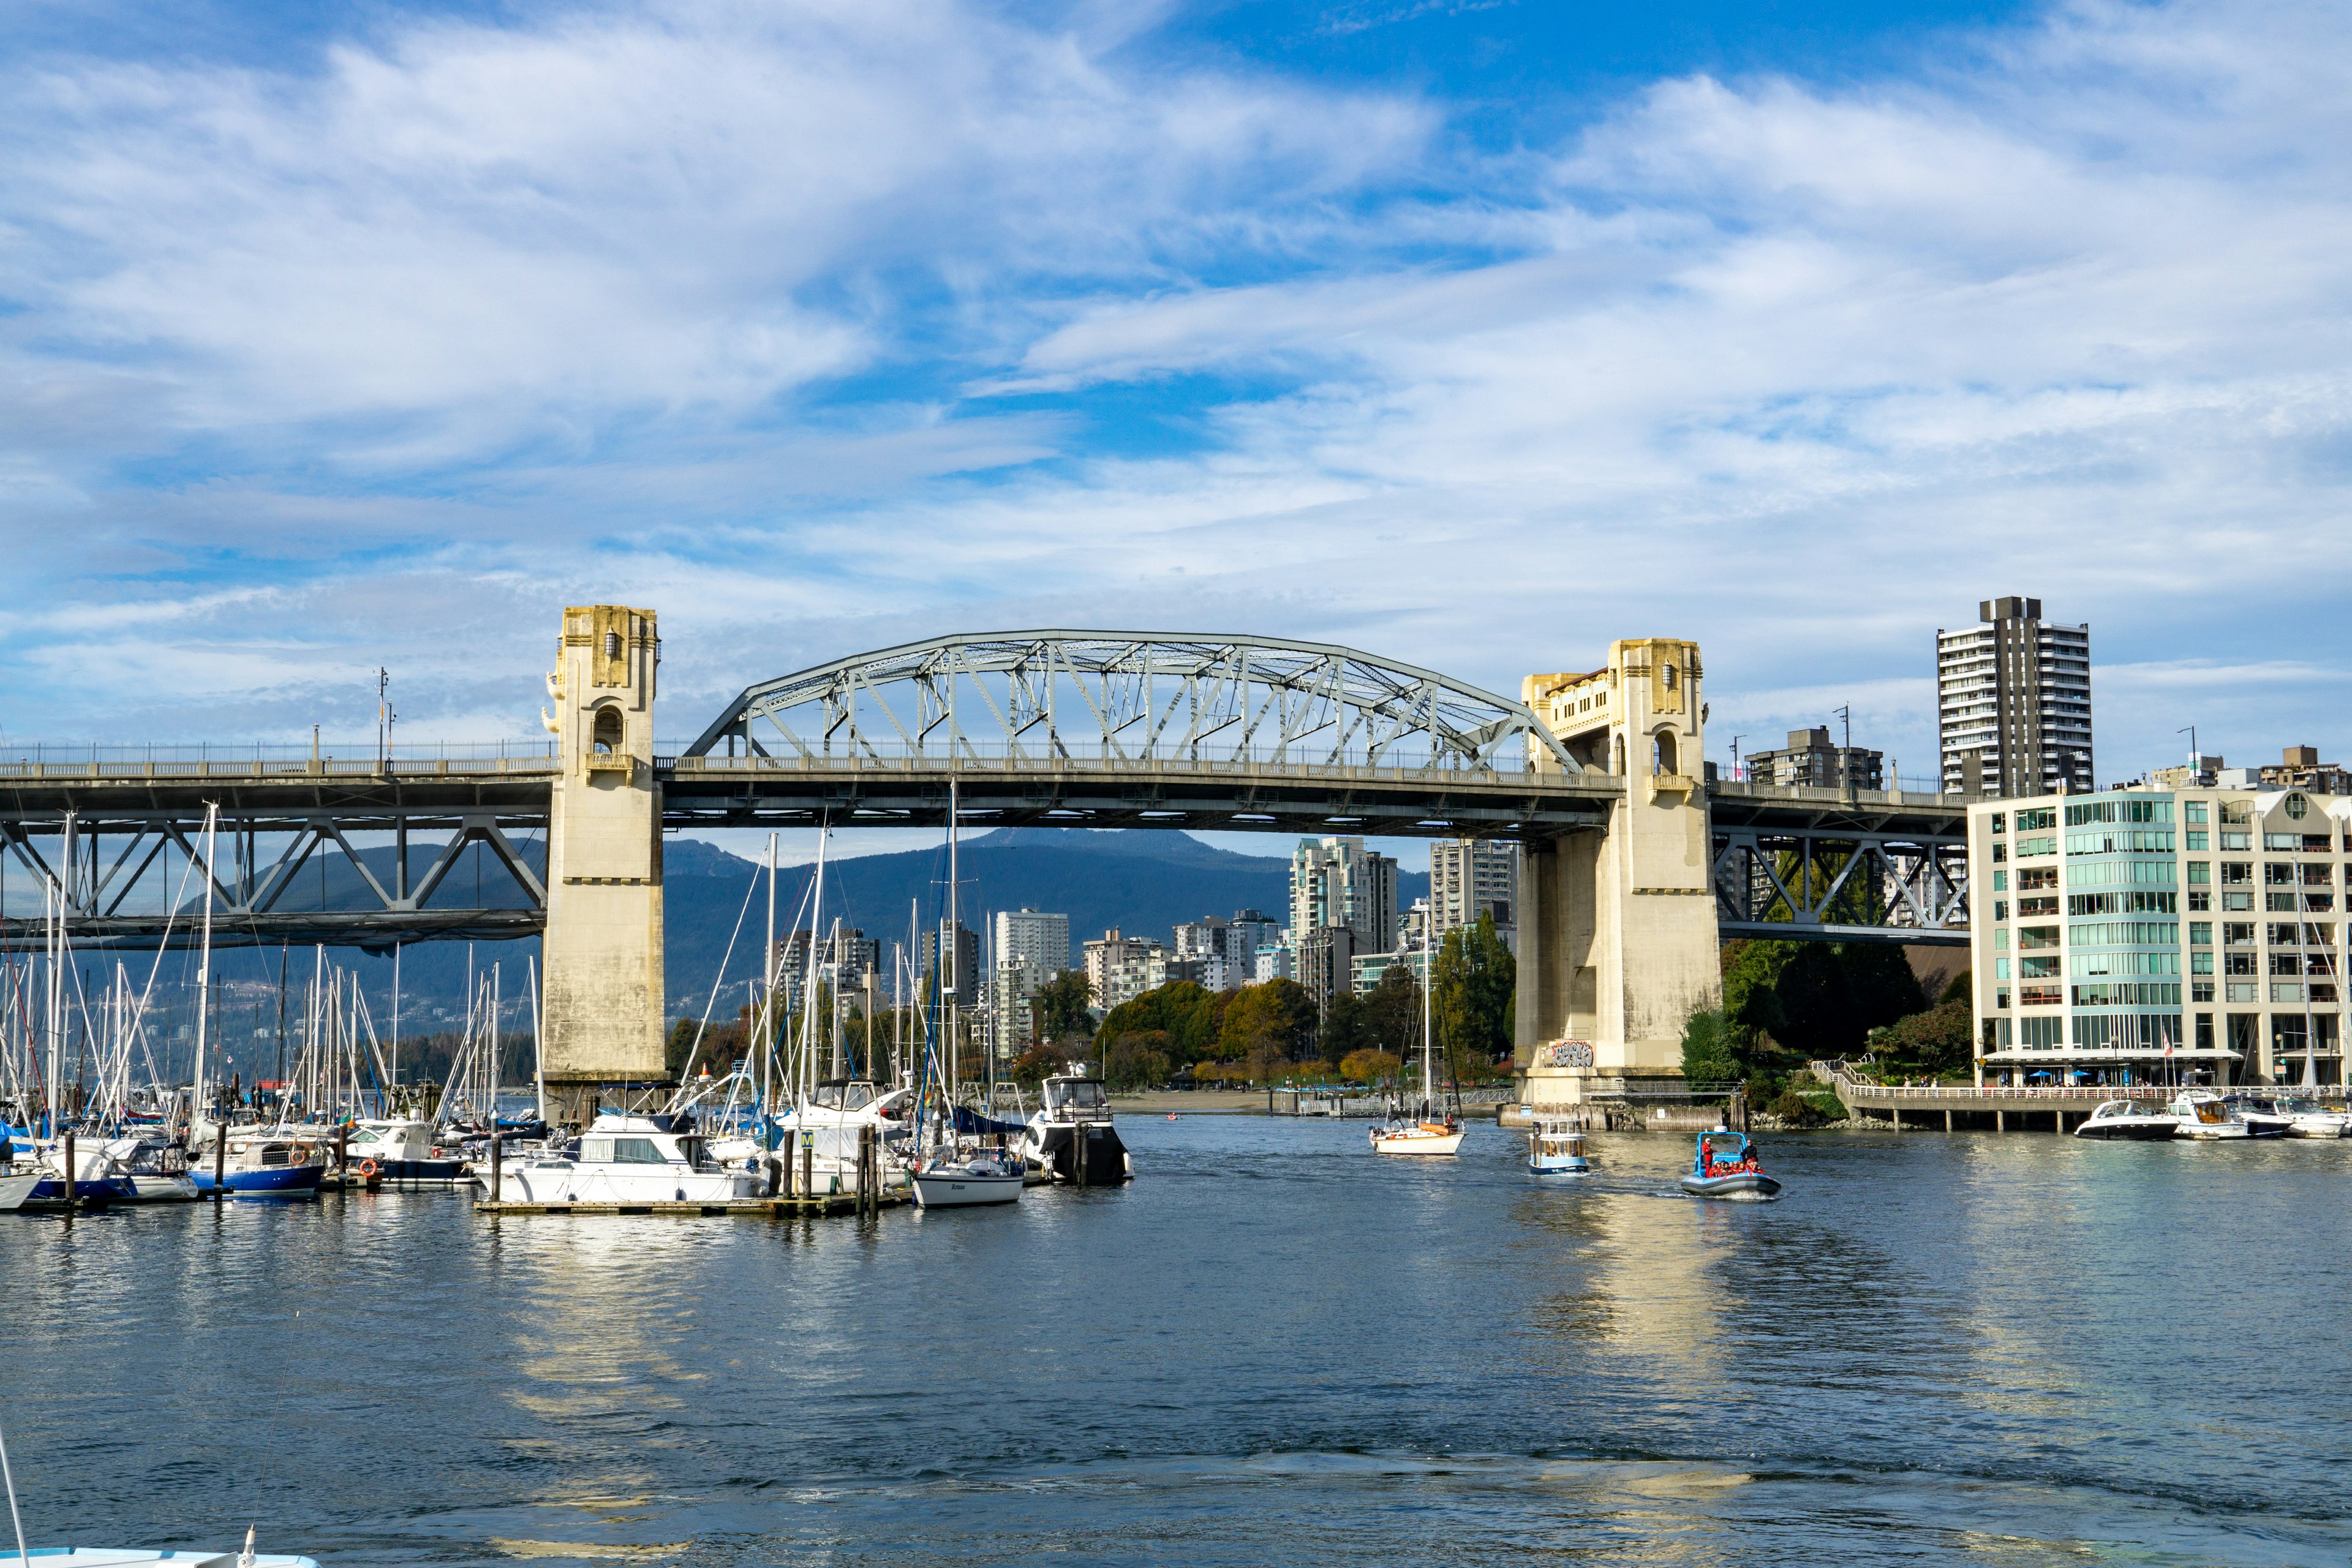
point(1338, 882)
point(1119, 968)
point(2152, 934)
point(1035, 940)
point(1472, 878)
point(1226, 952)
point(2013, 700)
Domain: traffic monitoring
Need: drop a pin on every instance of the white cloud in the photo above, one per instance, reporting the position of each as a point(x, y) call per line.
point(510, 316)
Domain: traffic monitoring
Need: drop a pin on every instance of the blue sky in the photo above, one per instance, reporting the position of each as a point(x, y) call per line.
point(1476, 334)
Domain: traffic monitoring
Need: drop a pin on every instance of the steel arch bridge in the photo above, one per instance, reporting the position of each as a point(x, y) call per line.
point(1134, 697)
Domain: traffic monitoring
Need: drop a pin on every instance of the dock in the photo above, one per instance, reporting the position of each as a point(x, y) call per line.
point(761, 1208)
point(1957, 1107)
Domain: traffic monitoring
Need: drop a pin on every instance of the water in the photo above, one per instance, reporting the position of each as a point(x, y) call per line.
point(1273, 1348)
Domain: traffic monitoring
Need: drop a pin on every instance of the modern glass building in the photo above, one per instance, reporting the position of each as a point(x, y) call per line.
point(2133, 935)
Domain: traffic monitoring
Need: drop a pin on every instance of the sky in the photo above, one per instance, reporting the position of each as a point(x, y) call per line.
point(1468, 333)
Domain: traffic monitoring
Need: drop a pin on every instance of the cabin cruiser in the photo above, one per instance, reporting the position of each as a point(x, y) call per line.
point(1555, 1151)
point(2117, 1119)
point(1724, 1166)
point(2200, 1113)
point(400, 1150)
point(1074, 1116)
point(261, 1163)
point(2309, 1119)
point(2263, 1119)
point(626, 1159)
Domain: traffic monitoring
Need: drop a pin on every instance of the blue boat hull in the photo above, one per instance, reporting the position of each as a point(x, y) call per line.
point(51, 1190)
point(279, 1182)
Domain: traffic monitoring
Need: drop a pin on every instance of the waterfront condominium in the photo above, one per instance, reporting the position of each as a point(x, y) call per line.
point(1338, 882)
point(2013, 697)
point(2140, 934)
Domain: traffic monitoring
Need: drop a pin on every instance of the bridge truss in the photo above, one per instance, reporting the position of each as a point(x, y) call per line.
point(1838, 867)
point(1047, 697)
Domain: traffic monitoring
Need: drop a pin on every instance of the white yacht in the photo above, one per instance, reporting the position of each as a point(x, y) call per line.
point(2117, 1119)
point(14, 1189)
point(2262, 1118)
point(2310, 1119)
point(630, 1160)
point(402, 1151)
point(1073, 1114)
point(2200, 1113)
point(961, 1179)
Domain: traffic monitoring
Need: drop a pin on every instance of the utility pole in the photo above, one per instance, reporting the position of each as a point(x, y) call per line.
point(1735, 755)
point(384, 717)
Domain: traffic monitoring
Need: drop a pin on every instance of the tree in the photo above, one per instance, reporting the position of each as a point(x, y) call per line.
point(1961, 989)
point(1346, 1026)
point(1751, 995)
point(1394, 1011)
point(1370, 1067)
point(1138, 1060)
point(1279, 1011)
point(1709, 1056)
point(1473, 986)
point(1191, 1016)
point(1935, 1039)
point(1267, 1061)
point(1064, 1007)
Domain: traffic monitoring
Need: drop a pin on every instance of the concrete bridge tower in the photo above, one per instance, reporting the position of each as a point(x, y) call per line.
point(1617, 927)
point(602, 1017)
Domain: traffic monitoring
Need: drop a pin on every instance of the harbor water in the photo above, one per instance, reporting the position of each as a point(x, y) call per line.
point(1271, 1347)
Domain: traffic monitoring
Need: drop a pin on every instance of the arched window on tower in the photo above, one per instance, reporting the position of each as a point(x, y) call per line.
point(1617, 756)
point(1662, 754)
point(607, 737)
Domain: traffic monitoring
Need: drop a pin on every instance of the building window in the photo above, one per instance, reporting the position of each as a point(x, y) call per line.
point(2237, 840)
point(2237, 900)
point(2000, 822)
point(2201, 991)
point(2297, 807)
point(2198, 839)
point(2245, 991)
point(1999, 881)
point(2201, 964)
point(2201, 901)
point(2200, 934)
point(2000, 969)
point(2192, 811)
point(2204, 1031)
point(2237, 873)
point(2200, 873)
point(2001, 908)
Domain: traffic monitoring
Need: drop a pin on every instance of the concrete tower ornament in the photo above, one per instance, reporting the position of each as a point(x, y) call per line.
point(602, 1022)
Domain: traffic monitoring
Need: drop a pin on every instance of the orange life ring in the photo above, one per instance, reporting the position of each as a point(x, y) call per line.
point(368, 1168)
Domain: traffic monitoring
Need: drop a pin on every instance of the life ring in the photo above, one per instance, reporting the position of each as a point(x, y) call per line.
point(367, 1169)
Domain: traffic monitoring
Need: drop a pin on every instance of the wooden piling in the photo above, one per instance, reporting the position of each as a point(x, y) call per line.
point(808, 1165)
point(220, 1161)
point(70, 1170)
point(495, 1174)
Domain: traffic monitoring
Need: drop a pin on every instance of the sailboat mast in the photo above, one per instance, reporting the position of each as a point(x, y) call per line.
point(204, 957)
point(1428, 990)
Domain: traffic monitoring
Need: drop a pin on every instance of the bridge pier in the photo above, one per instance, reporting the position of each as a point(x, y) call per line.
point(1618, 942)
point(600, 1022)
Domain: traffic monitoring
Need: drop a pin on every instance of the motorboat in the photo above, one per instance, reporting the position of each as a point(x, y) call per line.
point(2126, 1119)
point(1724, 1166)
point(2309, 1119)
point(1073, 1124)
point(157, 1172)
point(402, 1151)
point(16, 1189)
point(1399, 1136)
point(259, 1163)
point(625, 1159)
point(2202, 1114)
point(1557, 1151)
point(962, 1180)
point(2263, 1118)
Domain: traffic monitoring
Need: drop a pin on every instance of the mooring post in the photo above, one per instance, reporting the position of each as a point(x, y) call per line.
point(220, 1161)
point(343, 1153)
point(808, 1165)
point(1079, 1150)
point(69, 1170)
point(496, 1185)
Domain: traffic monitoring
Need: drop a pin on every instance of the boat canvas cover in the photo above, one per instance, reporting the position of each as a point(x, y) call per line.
point(972, 1123)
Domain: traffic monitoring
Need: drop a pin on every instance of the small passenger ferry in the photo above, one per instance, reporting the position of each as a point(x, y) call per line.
point(1724, 1166)
point(1556, 1150)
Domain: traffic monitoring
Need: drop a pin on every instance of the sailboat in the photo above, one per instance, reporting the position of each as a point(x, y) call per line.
point(1422, 1133)
point(944, 1174)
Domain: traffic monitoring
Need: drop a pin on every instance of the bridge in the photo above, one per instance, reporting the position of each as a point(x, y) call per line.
point(1632, 870)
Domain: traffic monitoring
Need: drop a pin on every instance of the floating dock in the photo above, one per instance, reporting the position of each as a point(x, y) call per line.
point(766, 1208)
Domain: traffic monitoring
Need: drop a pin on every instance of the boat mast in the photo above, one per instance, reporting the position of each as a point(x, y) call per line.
point(767, 1043)
point(204, 957)
point(1428, 987)
point(950, 949)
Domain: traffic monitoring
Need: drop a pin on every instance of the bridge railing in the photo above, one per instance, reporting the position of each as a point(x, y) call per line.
point(85, 760)
point(1000, 756)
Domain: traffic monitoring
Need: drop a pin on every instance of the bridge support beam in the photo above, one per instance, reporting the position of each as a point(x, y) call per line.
point(601, 1019)
point(1617, 944)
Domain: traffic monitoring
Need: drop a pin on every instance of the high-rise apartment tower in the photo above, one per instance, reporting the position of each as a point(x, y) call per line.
point(2013, 695)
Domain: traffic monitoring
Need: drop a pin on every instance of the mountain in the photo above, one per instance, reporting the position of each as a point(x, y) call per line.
point(1143, 882)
